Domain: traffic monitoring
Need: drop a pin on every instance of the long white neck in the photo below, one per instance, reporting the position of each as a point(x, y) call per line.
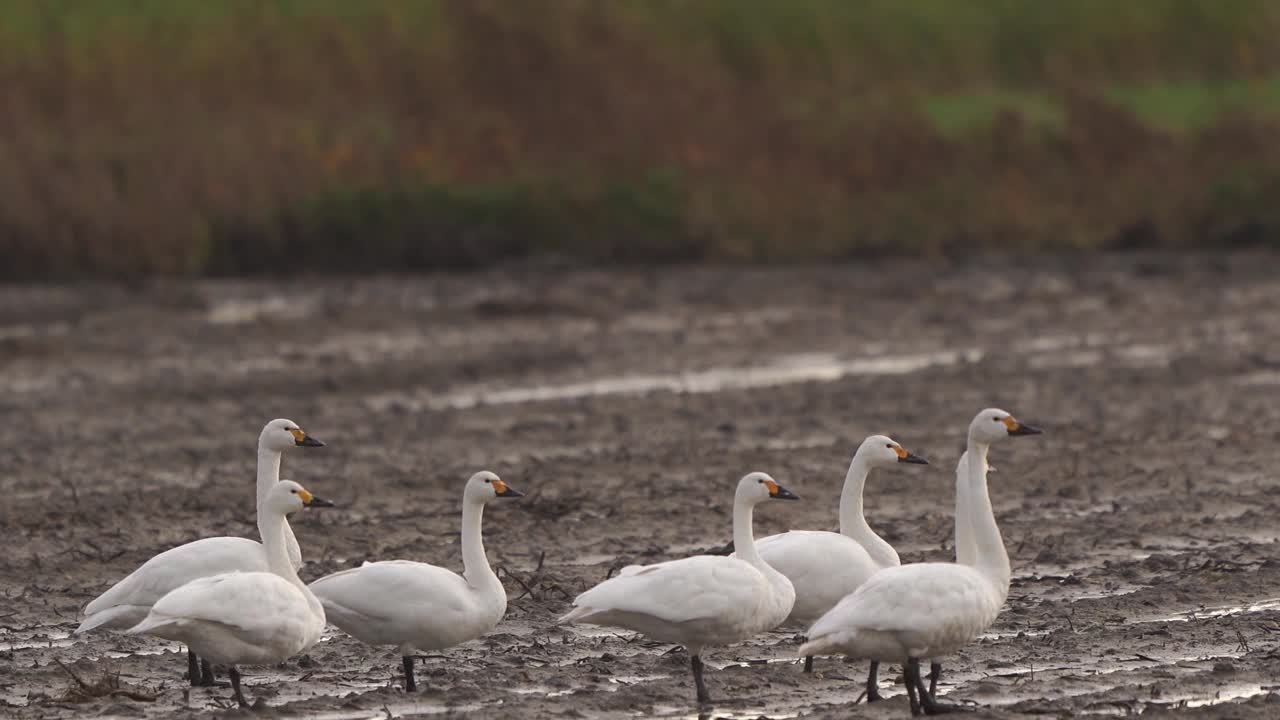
point(992, 559)
point(966, 551)
point(853, 522)
point(273, 526)
point(268, 472)
point(268, 476)
point(475, 564)
point(744, 539)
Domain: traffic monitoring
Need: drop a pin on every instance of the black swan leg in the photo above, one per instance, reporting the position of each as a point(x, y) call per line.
point(911, 673)
point(695, 662)
point(409, 684)
point(873, 682)
point(235, 686)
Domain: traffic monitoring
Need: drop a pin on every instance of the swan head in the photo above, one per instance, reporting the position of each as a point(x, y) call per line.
point(288, 496)
point(994, 424)
point(758, 487)
point(281, 434)
point(485, 486)
point(884, 451)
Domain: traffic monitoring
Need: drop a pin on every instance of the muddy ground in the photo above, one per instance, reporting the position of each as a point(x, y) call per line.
point(1142, 525)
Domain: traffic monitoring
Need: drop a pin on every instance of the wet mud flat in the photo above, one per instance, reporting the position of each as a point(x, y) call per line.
point(626, 404)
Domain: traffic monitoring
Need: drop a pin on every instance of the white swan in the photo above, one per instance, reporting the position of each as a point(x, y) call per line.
point(966, 554)
point(247, 618)
point(127, 602)
point(825, 566)
point(415, 606)
point(702, 600)
point(928, 610)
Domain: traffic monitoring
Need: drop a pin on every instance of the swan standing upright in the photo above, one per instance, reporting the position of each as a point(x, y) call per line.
point(822, 566)
point(127, 602)
point(415, 606)
point(247, 618)
point(702, 600)
point(929, 610)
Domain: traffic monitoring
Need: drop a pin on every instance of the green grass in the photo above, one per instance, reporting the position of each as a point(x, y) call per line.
point(1192, 106)
point(956, 114)
point(1178, 107)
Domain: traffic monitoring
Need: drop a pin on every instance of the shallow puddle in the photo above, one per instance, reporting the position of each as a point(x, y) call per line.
point(784, 370)
point(1209, 613)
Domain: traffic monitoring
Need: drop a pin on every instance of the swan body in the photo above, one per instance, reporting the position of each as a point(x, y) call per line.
point(698, 601)
point(931, 609)
point(695, 602)
point(415, 606)
point(125, 604)
point(250, 618)
point(131, 599)
point(947, 605)
point(823, 567)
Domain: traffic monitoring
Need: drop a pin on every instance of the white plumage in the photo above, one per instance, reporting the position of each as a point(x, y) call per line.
point(826, 566)
point(699, 601)
point(415, 606)
point(918, 610)
point(930, 609)
point(252, 618)
point(127, 602)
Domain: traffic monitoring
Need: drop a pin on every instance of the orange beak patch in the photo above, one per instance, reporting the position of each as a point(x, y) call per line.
point(298, 434)
point(901, 453)
point(499, 487)
point(773, 487)
point(1010, 423)
point(306, 497)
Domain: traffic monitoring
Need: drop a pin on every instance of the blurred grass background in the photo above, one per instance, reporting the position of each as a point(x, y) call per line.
point(141, 137)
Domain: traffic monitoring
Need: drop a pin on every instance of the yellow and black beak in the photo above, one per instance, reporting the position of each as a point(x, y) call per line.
point(1016, 428)
point(501, 489)
point(311, 501)
point(777, 492)
point(302, 439)
point(906, 457)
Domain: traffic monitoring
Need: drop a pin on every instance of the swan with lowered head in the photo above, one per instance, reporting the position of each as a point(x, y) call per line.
point(825, 566)
point(929, 610)
point(247, 618)
point(415, 606)
point(702, 600)
point(127, 602)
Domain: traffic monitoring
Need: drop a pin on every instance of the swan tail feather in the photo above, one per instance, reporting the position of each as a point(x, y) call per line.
point(827, 644)
point(575, 614)
point(152, 623)
point(120, 617)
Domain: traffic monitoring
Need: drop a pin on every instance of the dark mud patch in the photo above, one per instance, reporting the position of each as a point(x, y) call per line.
point(626, 404)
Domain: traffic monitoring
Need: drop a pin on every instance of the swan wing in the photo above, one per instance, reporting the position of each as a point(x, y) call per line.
point(918, 598)
point(178, 566)
point(384, 590)
point(811, 558)
point(823, 567)
point(252, 602)
point(680, 590)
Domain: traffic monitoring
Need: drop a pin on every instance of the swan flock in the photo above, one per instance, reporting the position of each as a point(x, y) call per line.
point(233, 601)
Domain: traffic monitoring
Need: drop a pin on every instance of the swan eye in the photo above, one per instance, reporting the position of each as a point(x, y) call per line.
point(890, 446)
point(487, 480)
point(996, 419)
point(295, 492)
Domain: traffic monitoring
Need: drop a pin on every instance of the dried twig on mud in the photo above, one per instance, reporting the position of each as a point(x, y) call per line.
point(107, 686)
point(527, 590)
